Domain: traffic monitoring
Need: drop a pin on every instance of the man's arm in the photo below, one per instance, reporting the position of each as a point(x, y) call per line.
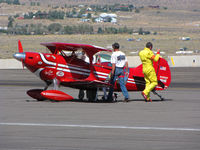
point(126, 66)
point(113, 69)
point(126, 73)
point(156, 58)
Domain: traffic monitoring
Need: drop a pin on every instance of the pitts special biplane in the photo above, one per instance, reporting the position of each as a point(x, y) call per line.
point(60, 69)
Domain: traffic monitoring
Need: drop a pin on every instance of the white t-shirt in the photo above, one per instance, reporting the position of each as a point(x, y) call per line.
point(118, 58)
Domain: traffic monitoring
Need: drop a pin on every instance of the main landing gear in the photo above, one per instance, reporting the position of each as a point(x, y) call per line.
point(92, 96)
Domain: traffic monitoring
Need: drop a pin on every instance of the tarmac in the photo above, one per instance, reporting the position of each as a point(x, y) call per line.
point(172, 124)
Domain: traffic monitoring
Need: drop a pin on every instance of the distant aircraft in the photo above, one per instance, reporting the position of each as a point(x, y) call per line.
point(62, 67)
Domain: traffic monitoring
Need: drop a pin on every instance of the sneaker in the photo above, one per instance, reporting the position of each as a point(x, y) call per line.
point(149, 100)
point(145, 97)
point(109, 100)
point(126, 100)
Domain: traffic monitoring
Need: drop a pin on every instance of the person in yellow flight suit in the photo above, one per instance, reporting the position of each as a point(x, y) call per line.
point(147, 57)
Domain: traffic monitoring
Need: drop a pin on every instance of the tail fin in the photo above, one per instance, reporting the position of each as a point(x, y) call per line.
point(162, 71)
point(163, 74)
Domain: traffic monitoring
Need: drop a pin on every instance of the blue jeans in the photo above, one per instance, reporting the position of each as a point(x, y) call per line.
point(118, 72)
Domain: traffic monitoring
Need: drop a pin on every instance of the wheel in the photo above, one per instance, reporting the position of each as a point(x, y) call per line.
point(91, 95)
point(81, 94)
point(162, 99)
point(115, 97)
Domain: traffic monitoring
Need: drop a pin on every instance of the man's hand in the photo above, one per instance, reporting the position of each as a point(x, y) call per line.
point(158, 51)
point(126, 74)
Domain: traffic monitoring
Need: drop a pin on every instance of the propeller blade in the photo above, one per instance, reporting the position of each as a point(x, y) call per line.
point(20, 48)
point(22, 65)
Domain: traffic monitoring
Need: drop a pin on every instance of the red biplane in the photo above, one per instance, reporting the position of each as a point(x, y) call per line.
point(62, 67)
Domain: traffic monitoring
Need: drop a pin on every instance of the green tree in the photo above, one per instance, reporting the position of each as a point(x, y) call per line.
point(89, 15)
point(137, 10)
point(111, 30)
point(100, 30)
point(29, 15)
point(68, 30)
point(74, 11)
point(10, 22)
point(155, 33)
point(131, 7)
point(16, 2)
point(54, 27)
point(165, 8)
point(140, 31)
point(32, 3)
point(84, 29)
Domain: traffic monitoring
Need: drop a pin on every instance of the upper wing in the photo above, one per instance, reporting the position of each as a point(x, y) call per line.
point(89, 49)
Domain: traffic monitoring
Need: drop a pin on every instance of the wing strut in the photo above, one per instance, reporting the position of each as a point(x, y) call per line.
point(91, 76)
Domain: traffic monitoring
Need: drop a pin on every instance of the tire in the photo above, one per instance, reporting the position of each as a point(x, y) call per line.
point(81, 95)
point(91, 95)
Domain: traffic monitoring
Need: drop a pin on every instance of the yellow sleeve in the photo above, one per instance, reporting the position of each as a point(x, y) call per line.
point(155, 58)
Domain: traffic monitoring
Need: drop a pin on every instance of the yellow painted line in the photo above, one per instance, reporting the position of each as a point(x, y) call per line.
point(172, 61)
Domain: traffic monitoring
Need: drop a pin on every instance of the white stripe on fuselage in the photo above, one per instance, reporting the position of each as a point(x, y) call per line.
point(76, 70)
point(37, 72)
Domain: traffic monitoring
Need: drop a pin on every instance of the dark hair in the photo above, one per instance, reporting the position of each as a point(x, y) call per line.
point(149, 45)
point(115, 46)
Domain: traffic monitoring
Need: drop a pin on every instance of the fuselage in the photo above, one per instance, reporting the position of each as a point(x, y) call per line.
point(49, 66)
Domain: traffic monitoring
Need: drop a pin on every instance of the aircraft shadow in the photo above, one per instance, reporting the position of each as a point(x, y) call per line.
point(98, 101)
point(131, 100)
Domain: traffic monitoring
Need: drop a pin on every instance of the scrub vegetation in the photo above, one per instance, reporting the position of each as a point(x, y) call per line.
point(163, 23)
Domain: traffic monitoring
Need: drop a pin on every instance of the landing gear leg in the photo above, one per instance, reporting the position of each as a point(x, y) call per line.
point(56, 84)
point(96, 97)
point(155, 93)
point(47, 85)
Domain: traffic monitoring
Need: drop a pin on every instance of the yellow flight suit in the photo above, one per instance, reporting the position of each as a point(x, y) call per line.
point(147, 57)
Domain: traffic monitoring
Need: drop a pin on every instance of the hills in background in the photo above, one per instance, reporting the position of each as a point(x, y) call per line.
point(180, 19)
point(171, 4)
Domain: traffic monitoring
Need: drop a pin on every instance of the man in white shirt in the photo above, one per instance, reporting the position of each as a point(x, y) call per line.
point(119, 62)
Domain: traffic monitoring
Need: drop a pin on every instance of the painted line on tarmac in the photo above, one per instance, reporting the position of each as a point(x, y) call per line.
point(99, 126)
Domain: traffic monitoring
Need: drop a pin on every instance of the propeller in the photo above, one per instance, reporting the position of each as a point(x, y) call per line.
point(20, 55)
point(20, 48)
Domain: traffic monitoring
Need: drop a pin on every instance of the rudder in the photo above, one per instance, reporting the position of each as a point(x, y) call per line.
point(163, 74)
